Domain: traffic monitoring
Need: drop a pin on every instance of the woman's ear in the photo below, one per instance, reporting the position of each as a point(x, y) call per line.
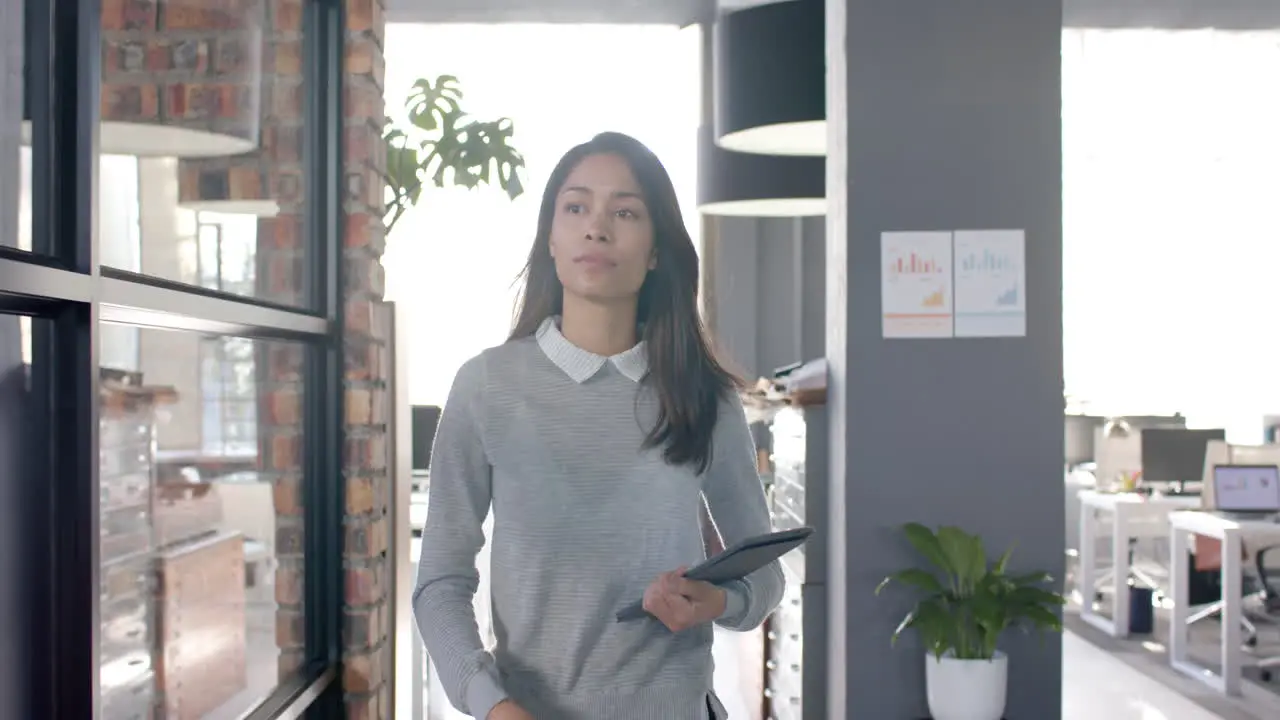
point(653, 260)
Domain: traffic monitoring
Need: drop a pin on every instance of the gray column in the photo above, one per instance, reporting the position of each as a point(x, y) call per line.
point(944, 116)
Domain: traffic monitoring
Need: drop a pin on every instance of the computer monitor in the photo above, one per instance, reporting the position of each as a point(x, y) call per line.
point(425, 419)
point(1246, 488)
point(1175, 455)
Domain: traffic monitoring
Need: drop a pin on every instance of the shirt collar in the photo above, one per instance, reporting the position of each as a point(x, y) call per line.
point(581, 365)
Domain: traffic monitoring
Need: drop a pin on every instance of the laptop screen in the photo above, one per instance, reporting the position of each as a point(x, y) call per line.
point(1246, 488)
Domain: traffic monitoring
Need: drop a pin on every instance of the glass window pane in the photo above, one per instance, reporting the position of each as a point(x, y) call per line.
point(201, 141)
point(15, 133)
point(201, 543)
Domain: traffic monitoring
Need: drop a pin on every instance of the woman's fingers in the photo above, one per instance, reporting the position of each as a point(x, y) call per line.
point(663, 600)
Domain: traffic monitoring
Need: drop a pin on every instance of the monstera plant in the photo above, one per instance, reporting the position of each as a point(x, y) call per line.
point(441, 145)
point(965, 602)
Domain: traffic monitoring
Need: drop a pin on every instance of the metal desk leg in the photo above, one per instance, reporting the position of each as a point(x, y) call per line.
point(1179, 580)
point(419, 710)
point(1120, 566)
point(1232, 613)
point(1089, 568)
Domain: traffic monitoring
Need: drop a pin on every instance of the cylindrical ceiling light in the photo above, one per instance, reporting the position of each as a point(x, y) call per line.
point(259, 182)
point(770, 79)
point(750, 185)
point(180, 78)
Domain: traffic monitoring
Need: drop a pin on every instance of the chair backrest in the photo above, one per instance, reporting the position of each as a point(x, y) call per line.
point(1217, 452)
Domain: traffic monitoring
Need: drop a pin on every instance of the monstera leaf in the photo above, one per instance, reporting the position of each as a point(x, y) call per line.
point(443, 146)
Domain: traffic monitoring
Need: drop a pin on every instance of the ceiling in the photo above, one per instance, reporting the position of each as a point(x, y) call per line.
point(1170, 14)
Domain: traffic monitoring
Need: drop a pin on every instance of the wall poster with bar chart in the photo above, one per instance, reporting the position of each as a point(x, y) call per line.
point(915, 284)
point(990, 283)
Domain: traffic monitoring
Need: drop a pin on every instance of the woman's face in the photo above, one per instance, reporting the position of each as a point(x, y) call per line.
point(602, 238)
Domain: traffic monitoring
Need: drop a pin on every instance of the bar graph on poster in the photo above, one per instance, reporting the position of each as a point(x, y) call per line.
point(915, 284)
point(990, 283)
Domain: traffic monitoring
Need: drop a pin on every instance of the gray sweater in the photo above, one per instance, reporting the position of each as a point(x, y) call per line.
point(585, 518)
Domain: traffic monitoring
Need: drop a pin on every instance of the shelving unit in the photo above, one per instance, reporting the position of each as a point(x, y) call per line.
point(794, 674)
point(126, 437)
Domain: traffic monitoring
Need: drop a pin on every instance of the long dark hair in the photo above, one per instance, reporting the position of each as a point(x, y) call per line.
point(689, 380)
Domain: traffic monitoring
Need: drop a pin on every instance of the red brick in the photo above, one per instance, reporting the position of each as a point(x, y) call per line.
point(130, 102)
point(129, 14)
point(284, 407)
point(363, 101)
point(362, 672)
point(290, 631)
point(287, 492)
point(286, 58)
point(287, 100)
point(363, 359)
point(359, 496)
point(361, 15)
point(289, 539)
point(287, 15)
point(363, 586)
point(286, 231)
point(284, 452)
point(289, 663)
point(359, 406)
point(289, 584)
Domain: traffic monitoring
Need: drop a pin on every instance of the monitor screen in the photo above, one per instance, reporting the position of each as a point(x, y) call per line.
point(425, 418)
point(1246, 488)
point(1175, 455)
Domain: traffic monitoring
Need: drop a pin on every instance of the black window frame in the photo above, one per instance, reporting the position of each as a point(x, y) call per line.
point(62, 282)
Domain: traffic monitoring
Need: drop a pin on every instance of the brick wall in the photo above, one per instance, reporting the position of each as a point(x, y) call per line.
point(366, 612)
point(281, 248)
point(367, 615)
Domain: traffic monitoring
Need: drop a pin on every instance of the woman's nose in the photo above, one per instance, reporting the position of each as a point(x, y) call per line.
point(597, 230)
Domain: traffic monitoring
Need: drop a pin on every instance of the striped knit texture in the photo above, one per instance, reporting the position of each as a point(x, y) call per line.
point(551, 437)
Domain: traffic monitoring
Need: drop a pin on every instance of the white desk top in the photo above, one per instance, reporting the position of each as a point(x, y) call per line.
point(1110, 501)
point(1218, 526)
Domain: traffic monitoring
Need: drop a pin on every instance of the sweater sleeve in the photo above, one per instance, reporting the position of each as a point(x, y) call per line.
point(458, 501)
point(735, 497)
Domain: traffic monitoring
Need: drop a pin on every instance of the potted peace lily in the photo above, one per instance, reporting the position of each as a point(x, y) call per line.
point(965, 603)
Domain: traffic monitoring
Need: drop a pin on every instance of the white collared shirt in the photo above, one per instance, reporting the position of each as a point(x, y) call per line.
point(581, 365)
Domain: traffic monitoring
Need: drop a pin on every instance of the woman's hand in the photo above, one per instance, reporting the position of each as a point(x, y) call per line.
point(508, 710)
point(681, 603)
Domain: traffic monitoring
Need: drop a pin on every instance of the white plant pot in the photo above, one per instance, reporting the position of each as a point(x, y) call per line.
point(967, 689)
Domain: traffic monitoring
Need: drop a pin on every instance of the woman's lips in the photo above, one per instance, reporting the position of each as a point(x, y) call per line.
point(593, 260)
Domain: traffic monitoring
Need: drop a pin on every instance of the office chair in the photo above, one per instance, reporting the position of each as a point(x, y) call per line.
point(1270, 596)
point(1205, 585)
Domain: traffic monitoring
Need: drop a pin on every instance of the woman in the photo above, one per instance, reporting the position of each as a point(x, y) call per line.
point(595, 432)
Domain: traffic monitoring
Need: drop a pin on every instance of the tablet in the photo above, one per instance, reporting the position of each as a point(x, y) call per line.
point(735, 563)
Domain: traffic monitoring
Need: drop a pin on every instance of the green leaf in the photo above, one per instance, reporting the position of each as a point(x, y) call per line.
point(1034, 578)
point(933, 624)
point(429, 103)
point(967, 614)
point(916, 578)
point(927, 544)
point(452, 149)
point(965, 554)
point(1042, 618)
point(1036, 596)
point(1003, 562)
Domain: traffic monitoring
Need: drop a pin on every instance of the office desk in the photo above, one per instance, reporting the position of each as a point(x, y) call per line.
point(1233, 533)
point(1133, 516)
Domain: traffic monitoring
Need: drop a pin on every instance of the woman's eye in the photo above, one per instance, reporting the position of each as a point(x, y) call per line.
point(574, 208)
point(626, 213)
